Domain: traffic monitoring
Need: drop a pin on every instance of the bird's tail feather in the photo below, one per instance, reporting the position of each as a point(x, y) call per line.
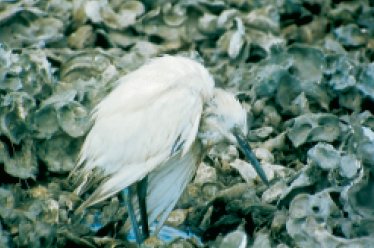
point(114, 183)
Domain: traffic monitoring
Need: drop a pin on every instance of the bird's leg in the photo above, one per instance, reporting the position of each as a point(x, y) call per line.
point(141, 188)
point(134, 222)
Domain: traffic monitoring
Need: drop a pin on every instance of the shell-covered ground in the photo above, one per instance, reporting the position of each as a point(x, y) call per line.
point(303, 69)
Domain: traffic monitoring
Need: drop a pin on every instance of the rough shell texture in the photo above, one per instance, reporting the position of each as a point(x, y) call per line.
point(303, 70)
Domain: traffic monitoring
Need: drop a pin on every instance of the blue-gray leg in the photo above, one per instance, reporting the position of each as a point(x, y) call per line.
point(134, 223)
point(141, 188)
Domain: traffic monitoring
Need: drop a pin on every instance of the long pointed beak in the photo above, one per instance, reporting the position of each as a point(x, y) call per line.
point(249, 155)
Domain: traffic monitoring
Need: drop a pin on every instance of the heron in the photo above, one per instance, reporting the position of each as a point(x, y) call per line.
point(150, 133)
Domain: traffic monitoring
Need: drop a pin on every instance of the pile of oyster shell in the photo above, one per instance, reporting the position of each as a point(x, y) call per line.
point(303, 69)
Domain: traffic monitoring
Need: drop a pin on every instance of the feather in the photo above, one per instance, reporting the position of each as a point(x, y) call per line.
point(166, 184)
point(137, 124)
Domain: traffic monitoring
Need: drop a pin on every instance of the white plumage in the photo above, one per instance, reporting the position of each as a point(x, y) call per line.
point(156, 122)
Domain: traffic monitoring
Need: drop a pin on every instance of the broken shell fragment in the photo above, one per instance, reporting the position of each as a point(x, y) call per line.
point(313, 127)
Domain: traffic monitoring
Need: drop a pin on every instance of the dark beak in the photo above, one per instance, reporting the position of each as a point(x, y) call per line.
point(247, 151)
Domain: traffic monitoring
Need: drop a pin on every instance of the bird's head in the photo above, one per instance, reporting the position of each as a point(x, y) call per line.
point(222, 117)
point(224, 120)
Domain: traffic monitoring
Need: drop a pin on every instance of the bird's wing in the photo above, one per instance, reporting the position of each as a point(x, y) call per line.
point(136, 137)
point(166, 185)
point(147, 83)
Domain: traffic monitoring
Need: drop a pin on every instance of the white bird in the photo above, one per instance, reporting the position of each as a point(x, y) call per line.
point(150, 133)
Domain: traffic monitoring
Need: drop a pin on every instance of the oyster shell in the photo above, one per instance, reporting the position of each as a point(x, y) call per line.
point(302, 69)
